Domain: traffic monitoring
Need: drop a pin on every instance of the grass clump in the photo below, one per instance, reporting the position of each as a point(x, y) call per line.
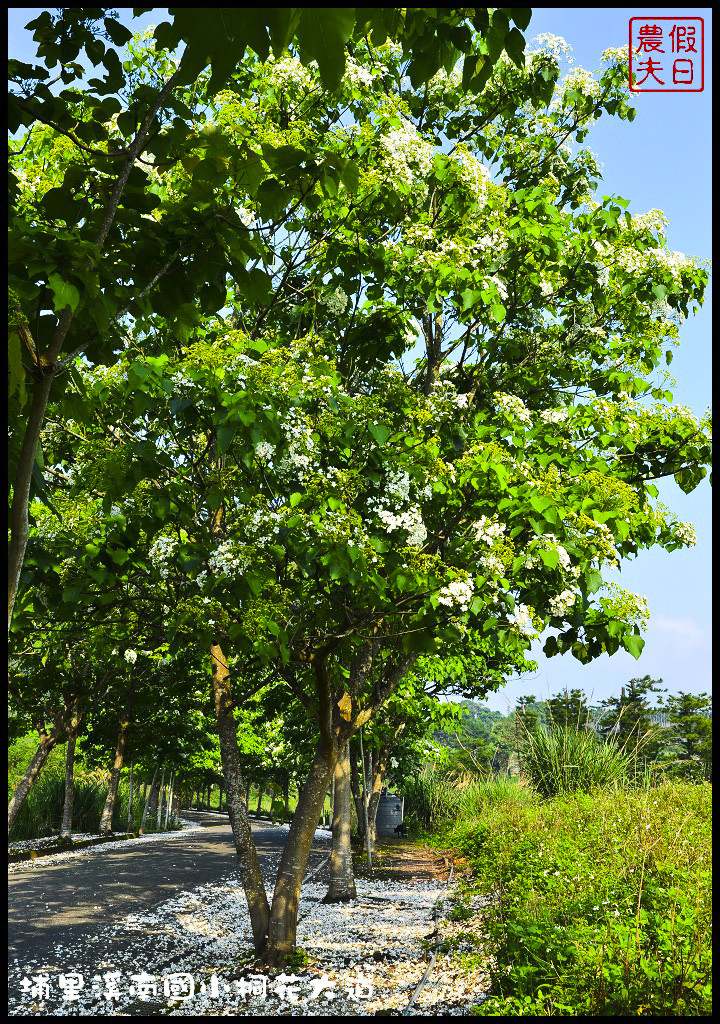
point(603, 902)
point(436, 799)
point(562, 759)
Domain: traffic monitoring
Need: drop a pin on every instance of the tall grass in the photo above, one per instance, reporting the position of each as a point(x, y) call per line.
point(41, 814)
point(564, 759)
point(435, 799)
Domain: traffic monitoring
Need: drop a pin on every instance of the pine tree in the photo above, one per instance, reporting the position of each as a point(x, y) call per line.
point(569, 709)
point(628, 718)
point(690, 719)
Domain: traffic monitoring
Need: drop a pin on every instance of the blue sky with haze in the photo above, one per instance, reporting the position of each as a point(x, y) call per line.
point(660, 160)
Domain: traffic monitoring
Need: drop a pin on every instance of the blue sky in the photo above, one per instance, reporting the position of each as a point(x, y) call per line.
point(660, 160)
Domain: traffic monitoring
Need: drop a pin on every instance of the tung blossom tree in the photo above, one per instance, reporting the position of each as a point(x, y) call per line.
point(430, 415)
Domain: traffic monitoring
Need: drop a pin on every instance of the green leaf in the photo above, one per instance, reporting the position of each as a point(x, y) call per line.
point(64, 294)
point(322, 35)
point(633, 644)
point(350, 176)
point(226, 433)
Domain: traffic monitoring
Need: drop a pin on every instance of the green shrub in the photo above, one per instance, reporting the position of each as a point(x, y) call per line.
point(603, 902)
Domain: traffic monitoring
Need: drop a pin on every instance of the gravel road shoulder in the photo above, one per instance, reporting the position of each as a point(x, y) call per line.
point(191, 954)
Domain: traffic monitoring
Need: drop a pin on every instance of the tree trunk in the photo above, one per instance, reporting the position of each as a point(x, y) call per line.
point(379, 767)
point(130, 801)
point(283, 917)
point(107, 814)
point(66, 827)
point(220, 796)
point(18, 520)
point(168, 800)
point(355, 788)
point(248, 864)
point(151, 802)
point(261, 790)
point(161, 798)
point(47, 742)
point(342, 880)
point(286, 798)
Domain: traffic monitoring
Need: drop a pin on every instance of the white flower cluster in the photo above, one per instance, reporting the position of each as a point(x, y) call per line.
point(356, 76)
point(582, 80)
point(410, 520)
point(263, 524)
point(247, 217)
point(289, 73)
point(514, 407)
point(615, 55)
point(397, 483)
point(160, 551)
point(336, 302)
point(553, 415)
point(562, 602)
point(501, 289)
point(491, 565)
point(548, 542)
point(473, 173)
point(522, 618)
point(674, 262)
point(653, 220)
point(181, 380)
point(299, 460)
point(554, 45)
point(459, 593)
point(229, 559)
point(606, 542)
point(297, 464)
point(407, 154)
point(264, 451)
point(487, 531)
point(685, 532)
point(130, 656)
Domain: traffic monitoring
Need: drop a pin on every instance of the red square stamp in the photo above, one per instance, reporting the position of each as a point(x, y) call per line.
point(667, 54)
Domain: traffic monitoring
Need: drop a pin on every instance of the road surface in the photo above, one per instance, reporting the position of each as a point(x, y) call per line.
point(66, 903)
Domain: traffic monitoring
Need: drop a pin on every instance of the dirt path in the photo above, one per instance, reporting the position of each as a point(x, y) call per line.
point(398, 859)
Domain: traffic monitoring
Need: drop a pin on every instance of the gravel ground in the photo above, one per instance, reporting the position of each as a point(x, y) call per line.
point(363, 958)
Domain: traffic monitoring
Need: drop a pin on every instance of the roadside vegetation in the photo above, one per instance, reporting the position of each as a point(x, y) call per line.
point(602, 883)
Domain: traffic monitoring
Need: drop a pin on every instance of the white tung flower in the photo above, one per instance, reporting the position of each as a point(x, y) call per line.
point(513, 407)
point(336, 302)
point(264, 450)
point(522, 618)
point(459, 592)
point(685, 532)
point(410, 521)
point(130, 656)
point(562, 602)
point(553, 415)
point(357, 76)
point(487, 531)
point(407, 153)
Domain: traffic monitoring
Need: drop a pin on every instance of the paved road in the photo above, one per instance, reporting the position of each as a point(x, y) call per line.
point(66, 902)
